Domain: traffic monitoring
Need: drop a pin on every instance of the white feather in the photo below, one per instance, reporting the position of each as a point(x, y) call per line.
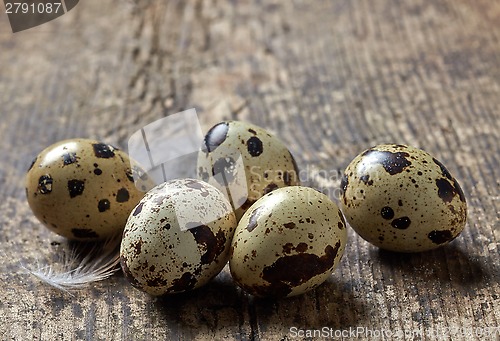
point(78, 269)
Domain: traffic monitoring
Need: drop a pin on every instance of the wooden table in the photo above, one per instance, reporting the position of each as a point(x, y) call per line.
point(330, 78)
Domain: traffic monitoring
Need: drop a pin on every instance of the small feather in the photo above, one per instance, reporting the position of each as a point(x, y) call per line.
point(80, 267)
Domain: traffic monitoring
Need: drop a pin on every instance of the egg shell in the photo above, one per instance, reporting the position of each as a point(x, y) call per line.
point(177, 238)
point(400, 198)
point(267, 162)
point(83, 189)
point(287, 243)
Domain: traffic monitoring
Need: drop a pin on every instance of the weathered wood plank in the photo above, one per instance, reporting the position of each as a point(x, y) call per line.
point(330, 79)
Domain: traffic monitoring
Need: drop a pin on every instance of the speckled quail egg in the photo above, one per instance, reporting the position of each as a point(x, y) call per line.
point(82, 189)
point(177, 238)
point(287, 243)
point(400, 198)
point(245, 162)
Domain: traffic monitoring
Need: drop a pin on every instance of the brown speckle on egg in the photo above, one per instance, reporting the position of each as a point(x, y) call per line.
point(103, 205)
point(44, 184)
point(223, 170)
point(253, 219)
point(393, 162)
point(138, 209)
point(216, 136)
point(186, 282)
point(440, 237)
point(297, 269)
point(127, 273)
point(387, 213)
point(212, 245)
point(69, 158)
point(401, 223)
point(104, 151)
point(254, 146)
point(122, 195)
point(76, 187)
point(269, 188)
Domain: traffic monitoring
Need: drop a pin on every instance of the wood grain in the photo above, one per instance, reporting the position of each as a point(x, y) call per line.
point(330, 79)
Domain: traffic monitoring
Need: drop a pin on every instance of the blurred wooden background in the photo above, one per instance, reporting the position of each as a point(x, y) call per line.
point(330, 78)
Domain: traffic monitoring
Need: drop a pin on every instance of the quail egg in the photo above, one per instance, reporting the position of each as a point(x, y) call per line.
point(177, 238)
point(287, 243)
point(400, 198)
point(245, 162)
point(82, 189)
